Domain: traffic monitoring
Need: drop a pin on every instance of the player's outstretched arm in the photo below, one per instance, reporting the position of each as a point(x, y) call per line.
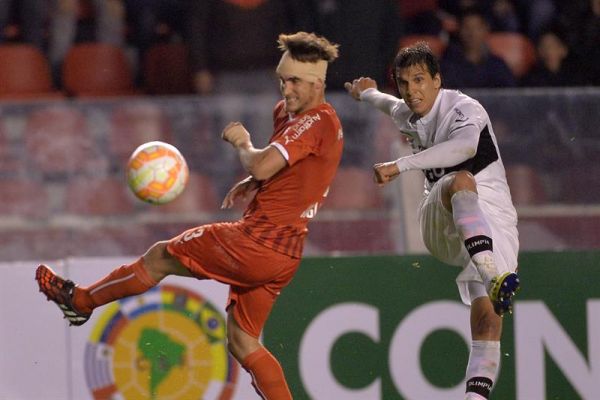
point(240, 190)
point(260, 163)
point(365, 89)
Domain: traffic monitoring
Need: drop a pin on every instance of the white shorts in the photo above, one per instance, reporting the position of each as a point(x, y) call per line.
point(444, 242)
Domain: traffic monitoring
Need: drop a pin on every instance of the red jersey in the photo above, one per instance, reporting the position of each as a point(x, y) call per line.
point(312, 144)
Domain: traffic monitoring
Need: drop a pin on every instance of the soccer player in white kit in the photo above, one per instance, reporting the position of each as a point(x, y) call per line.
point(467, 217)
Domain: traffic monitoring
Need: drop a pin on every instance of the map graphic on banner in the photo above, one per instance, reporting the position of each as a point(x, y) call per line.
point(168, 343)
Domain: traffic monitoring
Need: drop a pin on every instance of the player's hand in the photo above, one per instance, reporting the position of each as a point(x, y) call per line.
point(359, 85)
point(236, 134)
point(385, 172)
point(239, 190)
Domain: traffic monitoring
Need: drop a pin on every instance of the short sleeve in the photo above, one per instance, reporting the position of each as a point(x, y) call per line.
point(305, 137)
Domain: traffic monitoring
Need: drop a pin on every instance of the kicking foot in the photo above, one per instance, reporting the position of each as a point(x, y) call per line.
point(60, 291)
point(502, 289)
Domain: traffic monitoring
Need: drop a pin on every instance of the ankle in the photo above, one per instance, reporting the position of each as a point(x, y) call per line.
point(484, 262)
point(82, 301)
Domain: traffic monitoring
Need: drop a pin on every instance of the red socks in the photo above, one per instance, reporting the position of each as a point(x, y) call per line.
point(128, 280)
point(267, 375)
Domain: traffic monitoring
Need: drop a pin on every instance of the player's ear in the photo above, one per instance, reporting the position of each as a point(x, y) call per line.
point(437, 81)
point(319, 84)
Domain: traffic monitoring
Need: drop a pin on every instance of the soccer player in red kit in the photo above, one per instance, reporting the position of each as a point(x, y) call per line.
point(258, 255)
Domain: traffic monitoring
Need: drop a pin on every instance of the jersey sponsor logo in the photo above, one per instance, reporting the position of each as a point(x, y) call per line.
point(300, 127)
point(434, 174)
point(168, 343)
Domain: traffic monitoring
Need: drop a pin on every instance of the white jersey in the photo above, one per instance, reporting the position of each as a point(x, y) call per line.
point(455, 135)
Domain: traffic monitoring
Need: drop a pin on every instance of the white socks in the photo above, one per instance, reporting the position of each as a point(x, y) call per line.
point(482, 370)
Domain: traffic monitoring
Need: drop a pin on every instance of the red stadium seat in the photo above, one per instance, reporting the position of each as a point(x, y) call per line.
point(167, 69)
point(98, 196)
point(25, 73)
point(517, 51)
point(97, 70)
point(133, 125)
point(23, 198)
point(411, 8)
point(437, 45)
point(526, 186)
point(58, 141)
point(353, 188)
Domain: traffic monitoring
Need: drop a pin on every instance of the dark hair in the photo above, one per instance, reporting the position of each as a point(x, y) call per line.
point(417, 54)
point(308, 47)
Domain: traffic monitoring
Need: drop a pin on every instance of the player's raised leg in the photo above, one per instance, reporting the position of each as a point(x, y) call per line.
point(474, 229)
point(77, 303)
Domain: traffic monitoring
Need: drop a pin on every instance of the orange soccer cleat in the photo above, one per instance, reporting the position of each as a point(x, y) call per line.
point(60, 291)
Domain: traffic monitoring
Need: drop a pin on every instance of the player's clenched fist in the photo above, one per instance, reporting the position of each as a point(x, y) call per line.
point(385, 172)
point(359, 85)
point(236, 134)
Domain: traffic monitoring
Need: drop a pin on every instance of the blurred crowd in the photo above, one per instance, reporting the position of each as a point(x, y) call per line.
point(227, 45)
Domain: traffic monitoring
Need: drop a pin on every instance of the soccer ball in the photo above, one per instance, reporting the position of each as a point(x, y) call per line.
point(157, 172)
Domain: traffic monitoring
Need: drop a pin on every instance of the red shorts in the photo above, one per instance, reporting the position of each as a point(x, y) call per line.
point(255, 273)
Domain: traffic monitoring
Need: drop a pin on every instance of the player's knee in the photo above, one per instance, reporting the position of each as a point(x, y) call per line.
point(156, 260)
point(463, 180)
point(238, 345)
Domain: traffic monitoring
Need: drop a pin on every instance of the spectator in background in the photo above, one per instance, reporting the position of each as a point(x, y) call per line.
point(368, 33)
point(422, 18)
point(152, 20)
point(536, 15)
point(31, 16)
point(229, 40)
point(107, 19)
point(556, 65)
point(587, 41)
point(468, 63)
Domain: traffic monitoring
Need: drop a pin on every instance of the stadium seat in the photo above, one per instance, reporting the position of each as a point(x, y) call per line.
point(437, 45)
point(411, 8)
point(25, 73)
point(133, 125)
point(97, 70)
point(98, 196)
point(517, 51)
point(58, 140)
point(353, 189)
point(526, 186)
point(199, 195)
point(23, 198)
point(167, 69)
